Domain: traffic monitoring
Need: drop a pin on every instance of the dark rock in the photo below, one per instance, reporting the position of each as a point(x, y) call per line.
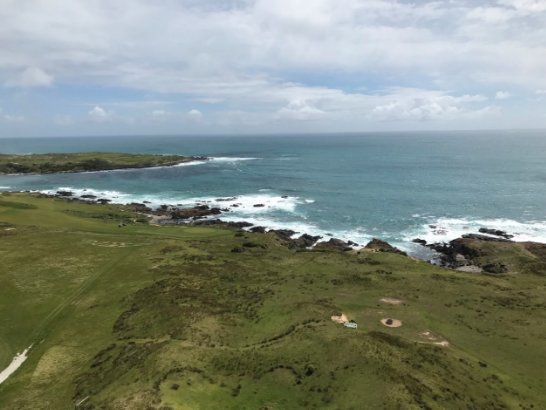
point(382, 246)
point(258, 205)
point(334, 244)
point(304, 241)
point(284, 234)
point(258, 229)
point(103, 201)
point(496, 232)
point(484, 238)
point(284, 196)
point(419, 241)
point(88, 196)
point(199, 211)
point(135, 206)
point(65, 193)
point(496, 267)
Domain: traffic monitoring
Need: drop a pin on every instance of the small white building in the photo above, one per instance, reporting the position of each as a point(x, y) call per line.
point(350, 324)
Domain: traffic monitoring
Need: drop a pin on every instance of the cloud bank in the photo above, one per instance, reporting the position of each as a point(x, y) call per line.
point(288, 65)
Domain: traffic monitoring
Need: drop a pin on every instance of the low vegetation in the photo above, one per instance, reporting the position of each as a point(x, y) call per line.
point(135, 316)
point(80, 162)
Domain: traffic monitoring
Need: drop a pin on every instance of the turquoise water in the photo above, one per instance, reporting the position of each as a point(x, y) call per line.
point(354, 186)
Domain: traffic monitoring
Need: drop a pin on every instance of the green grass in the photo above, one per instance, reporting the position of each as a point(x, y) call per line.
point(149, 317)
point(87, 161)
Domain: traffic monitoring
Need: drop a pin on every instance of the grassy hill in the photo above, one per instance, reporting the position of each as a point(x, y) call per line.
point(168, 317)
point(86, 161)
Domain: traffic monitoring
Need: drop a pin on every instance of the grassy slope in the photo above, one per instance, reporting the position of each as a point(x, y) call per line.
point(87, 161)
point(168, 317)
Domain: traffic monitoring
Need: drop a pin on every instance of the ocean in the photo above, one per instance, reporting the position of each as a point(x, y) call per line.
point(394, 186)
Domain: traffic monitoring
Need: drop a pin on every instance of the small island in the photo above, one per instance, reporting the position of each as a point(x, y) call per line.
point(85, 162)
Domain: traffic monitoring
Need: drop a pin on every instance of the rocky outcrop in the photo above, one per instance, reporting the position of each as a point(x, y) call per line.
point(381, 246)
point(196, 212)
point(334, 244)
point(138, 207)
point(496, 232)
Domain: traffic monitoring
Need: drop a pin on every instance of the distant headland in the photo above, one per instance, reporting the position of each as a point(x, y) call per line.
point(86, 162)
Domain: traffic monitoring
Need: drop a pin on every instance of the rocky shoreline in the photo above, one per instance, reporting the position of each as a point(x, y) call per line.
point(460, 254)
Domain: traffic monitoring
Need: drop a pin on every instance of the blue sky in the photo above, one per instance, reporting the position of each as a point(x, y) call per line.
point(99, 67)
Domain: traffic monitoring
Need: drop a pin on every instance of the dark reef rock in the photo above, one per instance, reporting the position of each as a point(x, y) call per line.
point(381, 246)
point(88, 196)
point(419, 241)
point(258, 229)
point(199, 211)
point(284, 234)
point(484, 238)
point(334, 244)
point(258, 205)
point(135, 206)
point(65, 193)
point(496, 232)
point(210, 222)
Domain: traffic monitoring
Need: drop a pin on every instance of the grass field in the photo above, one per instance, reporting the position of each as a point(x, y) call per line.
point(86, 161)
point(168, 317)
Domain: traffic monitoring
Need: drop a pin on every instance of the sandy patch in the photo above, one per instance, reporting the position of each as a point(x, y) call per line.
point(9, 229)
point(391, 322)
point(434, 339)
point(17, 361)
point(340, 319)
point(391, 301)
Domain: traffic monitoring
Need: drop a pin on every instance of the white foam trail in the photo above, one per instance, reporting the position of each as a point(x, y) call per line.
point(5, 187)
point(189, 164)
point(447, 229)
point(242, 204)
point(17, 361)
point(232, 159)
point(215, 159)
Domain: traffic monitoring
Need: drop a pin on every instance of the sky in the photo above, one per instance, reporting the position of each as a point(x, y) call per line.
point(103, 67)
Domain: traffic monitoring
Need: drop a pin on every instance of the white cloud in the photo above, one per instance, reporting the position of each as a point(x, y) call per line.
point(99, 114)
point(63, 120)
point(253, 57)
point(194, 115)
point(31, 77)
point(159, 115)
point(299, 110)
point(502, 95)
point(10, 117)
point(526, 5)
point(540, 92)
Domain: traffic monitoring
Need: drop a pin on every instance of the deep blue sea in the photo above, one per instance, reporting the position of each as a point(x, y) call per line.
point(395, 186)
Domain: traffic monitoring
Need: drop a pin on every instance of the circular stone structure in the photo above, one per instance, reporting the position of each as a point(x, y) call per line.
point(391, 322)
